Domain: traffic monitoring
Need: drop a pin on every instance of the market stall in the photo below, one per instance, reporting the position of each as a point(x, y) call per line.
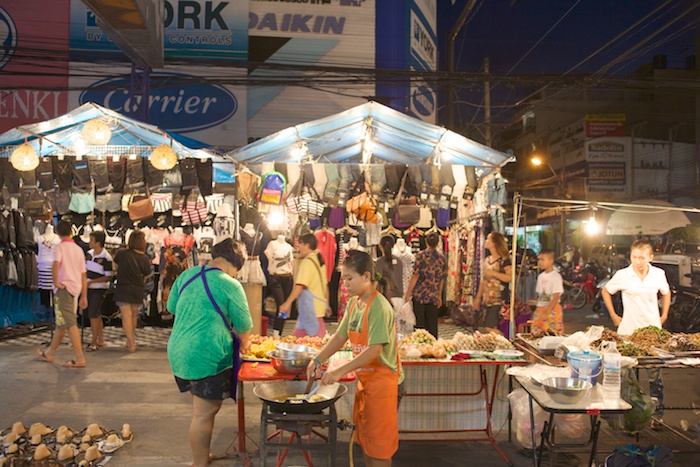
point(351, 177)
point(99, 170)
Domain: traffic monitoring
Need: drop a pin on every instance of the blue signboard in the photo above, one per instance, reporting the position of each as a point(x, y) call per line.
point(212, 29)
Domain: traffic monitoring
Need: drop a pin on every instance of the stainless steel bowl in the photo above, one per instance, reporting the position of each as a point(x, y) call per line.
point(288, 365)
point(566, 390)
point(287, 350)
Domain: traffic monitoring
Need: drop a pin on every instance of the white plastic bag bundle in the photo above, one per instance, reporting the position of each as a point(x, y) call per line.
point(579, 341)
point(406, 314)
point(520, 407)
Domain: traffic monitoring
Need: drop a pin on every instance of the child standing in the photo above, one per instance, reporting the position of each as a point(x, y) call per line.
point(550, 286)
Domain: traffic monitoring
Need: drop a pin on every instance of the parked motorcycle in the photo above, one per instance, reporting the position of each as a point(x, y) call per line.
point(599, 304)
point(684, 314)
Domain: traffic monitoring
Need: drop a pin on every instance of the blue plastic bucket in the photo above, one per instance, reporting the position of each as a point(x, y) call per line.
point(585, 365)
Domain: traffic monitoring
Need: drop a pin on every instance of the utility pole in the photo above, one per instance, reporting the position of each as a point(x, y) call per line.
point(450, 98)
point(487, 104)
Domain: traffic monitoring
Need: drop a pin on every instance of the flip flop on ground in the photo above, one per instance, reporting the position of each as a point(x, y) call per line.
point(41, 354)
point(74, 364)
point(92, 348)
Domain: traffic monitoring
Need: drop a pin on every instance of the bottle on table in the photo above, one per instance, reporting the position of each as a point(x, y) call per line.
point(612, 372)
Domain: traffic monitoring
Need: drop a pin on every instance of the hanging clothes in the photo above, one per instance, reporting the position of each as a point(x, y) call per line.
point(328, 248)
point(45, 259)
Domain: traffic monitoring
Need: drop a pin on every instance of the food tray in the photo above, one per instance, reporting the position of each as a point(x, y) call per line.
point(687, 353)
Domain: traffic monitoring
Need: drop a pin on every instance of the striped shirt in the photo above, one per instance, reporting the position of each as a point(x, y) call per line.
point(98, 266)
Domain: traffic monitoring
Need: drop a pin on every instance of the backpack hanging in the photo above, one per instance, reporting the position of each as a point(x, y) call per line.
point(273, 188)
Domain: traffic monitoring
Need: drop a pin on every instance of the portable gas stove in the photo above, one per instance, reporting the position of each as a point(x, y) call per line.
point(320, 426)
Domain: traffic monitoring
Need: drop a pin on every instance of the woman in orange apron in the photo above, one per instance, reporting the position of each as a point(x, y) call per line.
point(370, 325)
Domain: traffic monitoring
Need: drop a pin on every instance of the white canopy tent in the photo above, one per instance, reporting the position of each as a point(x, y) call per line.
point(372, 132)
point(62, 136)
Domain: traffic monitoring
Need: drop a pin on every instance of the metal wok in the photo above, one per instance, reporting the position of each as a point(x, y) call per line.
point(270, 391)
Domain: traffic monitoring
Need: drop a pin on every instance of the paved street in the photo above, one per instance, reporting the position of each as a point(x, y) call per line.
point(119, 387)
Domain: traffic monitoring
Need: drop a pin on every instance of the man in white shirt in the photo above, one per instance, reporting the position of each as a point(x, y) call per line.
point(640, 284)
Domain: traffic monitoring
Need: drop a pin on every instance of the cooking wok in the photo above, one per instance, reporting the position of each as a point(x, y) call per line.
point(270, 391)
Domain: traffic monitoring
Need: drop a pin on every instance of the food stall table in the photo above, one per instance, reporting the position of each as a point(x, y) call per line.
point(261, 372)
point(592, 405)
point(419, 415)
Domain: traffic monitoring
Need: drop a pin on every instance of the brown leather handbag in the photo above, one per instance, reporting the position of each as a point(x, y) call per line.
point(140, 207)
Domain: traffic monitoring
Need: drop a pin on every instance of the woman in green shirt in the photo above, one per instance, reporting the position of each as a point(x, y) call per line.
point(370, 327)
point(212, 324)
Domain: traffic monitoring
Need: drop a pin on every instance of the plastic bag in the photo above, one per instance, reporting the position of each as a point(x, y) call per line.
point(636, 419)
point(520, 407)
point(571, 428)
point(406, 314)
point(579, 341)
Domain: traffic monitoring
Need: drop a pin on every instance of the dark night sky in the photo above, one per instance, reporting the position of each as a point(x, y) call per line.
point(508, 32)
point(505, 32)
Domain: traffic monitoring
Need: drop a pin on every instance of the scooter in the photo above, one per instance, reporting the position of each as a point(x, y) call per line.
point(599, 304)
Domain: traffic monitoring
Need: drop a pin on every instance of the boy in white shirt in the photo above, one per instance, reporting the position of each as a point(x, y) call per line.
point(550, 286)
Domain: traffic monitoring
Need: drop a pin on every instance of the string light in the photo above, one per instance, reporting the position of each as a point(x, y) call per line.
point(96, 132)
point(163, 157)
point(24, 158)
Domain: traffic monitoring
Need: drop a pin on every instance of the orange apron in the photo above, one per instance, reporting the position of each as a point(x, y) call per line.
point(375, 413)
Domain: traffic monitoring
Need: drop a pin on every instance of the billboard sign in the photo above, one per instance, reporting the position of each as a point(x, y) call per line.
point(608, 149)
point(598, 125)
point(606, 177)
point(423, 57)
point(180, 100)
point(31, 90)
point(210, 29)
point(331, 33)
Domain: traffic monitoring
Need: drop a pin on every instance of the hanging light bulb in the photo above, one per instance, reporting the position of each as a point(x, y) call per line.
point(592, 226)
point(163, 157)
point(24, 158)
point(96, 132)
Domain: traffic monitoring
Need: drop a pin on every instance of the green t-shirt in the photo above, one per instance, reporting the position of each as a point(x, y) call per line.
point(313, 276)
point(200, 345)
point(382, 329)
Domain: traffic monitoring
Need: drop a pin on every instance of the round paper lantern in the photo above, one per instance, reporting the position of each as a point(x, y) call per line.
point(96, 132)
point(163, 157)
point(24, 158)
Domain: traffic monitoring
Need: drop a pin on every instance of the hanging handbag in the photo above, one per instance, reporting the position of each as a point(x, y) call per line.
point(193, 209)
point(407, 209)
point(303, 202)
point(361, 203)
point(36, 205)
point(140, 207)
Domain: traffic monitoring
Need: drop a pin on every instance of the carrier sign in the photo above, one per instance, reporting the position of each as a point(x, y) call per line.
point(183, 108)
